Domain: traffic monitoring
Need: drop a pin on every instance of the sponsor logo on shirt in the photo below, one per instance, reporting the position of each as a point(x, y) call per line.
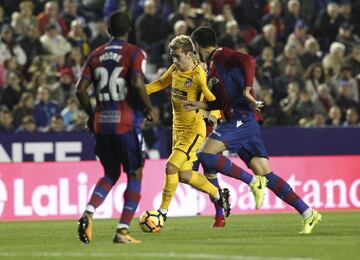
point(188, 83)
point(179, 94)
point(239, 123)
point(110, 117)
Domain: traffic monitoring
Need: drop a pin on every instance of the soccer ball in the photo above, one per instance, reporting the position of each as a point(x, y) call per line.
point(151, 221)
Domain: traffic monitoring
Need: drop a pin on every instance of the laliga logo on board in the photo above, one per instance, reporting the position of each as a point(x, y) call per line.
point(3, 196)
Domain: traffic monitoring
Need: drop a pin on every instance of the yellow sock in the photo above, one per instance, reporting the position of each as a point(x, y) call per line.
point(200, 182)
point(170, 185)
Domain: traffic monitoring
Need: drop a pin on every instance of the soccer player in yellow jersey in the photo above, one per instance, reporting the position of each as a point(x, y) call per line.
point(188, 81)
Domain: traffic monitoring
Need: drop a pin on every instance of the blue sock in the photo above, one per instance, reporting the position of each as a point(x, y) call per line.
point(221, 164)
point(218, 210)
point(131, 200)
point(283, 190)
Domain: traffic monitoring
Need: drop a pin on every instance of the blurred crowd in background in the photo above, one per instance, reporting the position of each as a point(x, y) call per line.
point(307, 52)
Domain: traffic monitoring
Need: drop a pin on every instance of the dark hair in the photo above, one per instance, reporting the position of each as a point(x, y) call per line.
point(119, 24)
point(204, 36)
point(309, 72)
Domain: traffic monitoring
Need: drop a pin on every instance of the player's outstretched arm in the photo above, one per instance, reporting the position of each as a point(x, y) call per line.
point(194, 105)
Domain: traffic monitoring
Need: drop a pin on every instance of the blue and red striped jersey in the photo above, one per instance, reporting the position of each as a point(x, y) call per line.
point(110, 68)
point(229, 72)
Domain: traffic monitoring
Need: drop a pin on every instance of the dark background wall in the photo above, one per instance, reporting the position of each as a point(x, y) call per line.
point(285, 141)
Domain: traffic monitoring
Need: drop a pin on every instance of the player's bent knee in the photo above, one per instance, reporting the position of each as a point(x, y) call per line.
point(260, 166)
point(171, 168)
point(204, 158)
point(185, 176)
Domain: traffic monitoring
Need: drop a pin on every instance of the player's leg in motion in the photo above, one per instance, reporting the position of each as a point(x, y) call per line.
point(132, 161)
point(131, 200)
point(283, 190)
point(178, 161)
point(169, 188)
point(213, 161)
point(111, 167)
point(219, 219)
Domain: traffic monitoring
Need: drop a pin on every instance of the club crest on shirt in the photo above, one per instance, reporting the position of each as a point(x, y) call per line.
point(212, 82)
point(188, 83)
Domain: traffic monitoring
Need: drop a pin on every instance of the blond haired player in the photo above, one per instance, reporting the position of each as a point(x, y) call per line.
point(188, 81)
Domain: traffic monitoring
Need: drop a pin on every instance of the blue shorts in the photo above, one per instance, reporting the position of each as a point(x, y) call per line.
point(242, 137)
point(115, 150)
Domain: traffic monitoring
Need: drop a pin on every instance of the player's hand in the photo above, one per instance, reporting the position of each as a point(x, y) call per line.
point(212, 120)
point(257, 105)
point(194, 105)
point(151, 116)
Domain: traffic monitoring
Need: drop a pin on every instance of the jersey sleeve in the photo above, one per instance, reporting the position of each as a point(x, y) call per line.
point(201, 78)
point(248, 63)
point(138, 64)
point(163, 82)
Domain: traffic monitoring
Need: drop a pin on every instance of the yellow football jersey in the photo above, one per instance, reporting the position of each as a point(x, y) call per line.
point(185, 86)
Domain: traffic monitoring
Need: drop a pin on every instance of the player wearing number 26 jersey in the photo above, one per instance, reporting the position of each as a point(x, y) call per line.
point(110, 67)
point(116, 72)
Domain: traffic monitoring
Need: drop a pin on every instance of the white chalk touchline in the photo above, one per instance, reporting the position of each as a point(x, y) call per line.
point(151, 255)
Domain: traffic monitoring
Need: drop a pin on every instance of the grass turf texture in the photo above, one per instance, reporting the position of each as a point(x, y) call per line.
point(245, 237)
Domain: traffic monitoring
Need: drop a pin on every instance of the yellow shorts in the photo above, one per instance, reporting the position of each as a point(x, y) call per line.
point(184, 149)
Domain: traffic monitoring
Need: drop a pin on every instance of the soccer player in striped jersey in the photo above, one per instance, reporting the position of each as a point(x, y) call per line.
point(116, 70)
point(230, 78)
point(188, 81)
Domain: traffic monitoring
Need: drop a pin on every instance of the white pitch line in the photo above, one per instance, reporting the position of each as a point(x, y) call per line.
point(151, 255)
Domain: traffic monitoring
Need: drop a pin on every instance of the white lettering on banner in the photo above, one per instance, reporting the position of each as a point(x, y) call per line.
point(3, 196)
point(311, 189)
point(246, 199)
point(266, 203)
point(39, 149)
point(65, 207)
point(82, 179)
point(330, 187)
point(19, 205)
point(67, 199)
point(61, 150)
point(17, 152)
point(44, 200)
point(51, 200)
point(355, 200)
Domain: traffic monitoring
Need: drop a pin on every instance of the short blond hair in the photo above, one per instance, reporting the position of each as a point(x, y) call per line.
point(182, 42)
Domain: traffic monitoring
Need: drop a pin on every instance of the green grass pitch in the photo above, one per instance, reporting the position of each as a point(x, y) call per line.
point(245, 237)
